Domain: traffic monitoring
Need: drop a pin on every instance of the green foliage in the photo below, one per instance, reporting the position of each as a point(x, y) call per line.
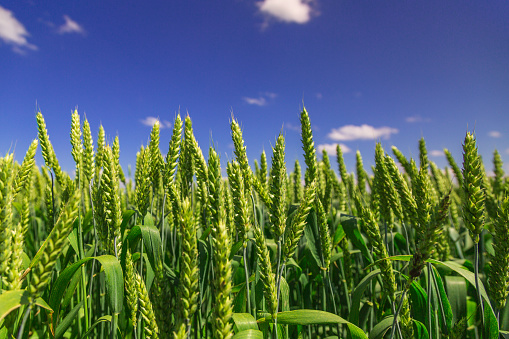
point(179, 251)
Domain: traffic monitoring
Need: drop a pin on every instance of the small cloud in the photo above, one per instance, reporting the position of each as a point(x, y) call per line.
point(319, 96)
point(166, 124)
point(150, 121)
point(70, 26)
point(331, 148)
point(437, 153)
point(357, 94)
point(416, 118)
point(12, 32)
point(494, 134)
point(363, 132)
point(507, 151)
point(261, 101)
point(289, 11)
point(292, 127)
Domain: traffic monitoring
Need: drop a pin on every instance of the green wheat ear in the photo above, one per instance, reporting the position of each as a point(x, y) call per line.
point(277, 208)
point(188, 289)
point(239, 200)
point(361, 174)
point(77, 145)
point(266, 275)
point(241, 155)
point(48, 152)
point(88, 152)
point(22, 180)
point(53, 246)
point(6, 177)
point(146, 309)
point(473, 177)
point(173, 151)
point(499, 273)
point(294, 232)
point(131, 287)
point(498, 183)
point(142, 181)
point(309, 148)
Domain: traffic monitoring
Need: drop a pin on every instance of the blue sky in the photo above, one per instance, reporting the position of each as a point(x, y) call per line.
point(365, 70)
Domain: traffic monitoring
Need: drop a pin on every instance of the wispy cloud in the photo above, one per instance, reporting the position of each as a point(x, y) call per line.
point(494, 134)
point(437, 153)
point(319, 96)
point(70, 26)
point(363, 132)
point(507, 151)
point(150, 121)
point(262, 100)
point(331, 148)
point(289, 11)
point(292, 127)
point(416, 118)
point(12, 32)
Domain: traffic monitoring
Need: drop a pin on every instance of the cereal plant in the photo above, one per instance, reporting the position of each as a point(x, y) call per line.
point(281, 251)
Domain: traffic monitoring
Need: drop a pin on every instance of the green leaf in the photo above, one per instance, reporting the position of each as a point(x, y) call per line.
point(457, 294)
point(491, 328)
point(243, 322)
point(126, 216)
point(357, 296)
point(148, 220)
point(380, 329)
point(67, 321)
point(114, 283)
point(284, 298)
point(311, 235)
point(12, 300)
point(151, 240)
point(338, 236)
point(420, 331)
point(445, 309)
point(349, 224)
point(419, 299)
point(314, 317)
point(235, 248)
point(249, 334)
point(106, 318)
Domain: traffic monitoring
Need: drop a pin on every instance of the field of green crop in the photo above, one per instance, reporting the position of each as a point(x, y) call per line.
point(176, 250)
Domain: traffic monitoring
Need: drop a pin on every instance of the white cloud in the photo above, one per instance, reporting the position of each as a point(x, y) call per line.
point(507, 151)
point(319, 96)
point(494, 134)
point(261, 101)
point(70, 26)
point(331, 149)
point(363, 132)
point(13, 32)
point(291, 11)
point(150, 121)
point(292, 127)
point(416, 118)
point(437, 153)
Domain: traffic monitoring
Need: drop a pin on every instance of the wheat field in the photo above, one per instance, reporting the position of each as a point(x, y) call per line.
point(290, 250)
